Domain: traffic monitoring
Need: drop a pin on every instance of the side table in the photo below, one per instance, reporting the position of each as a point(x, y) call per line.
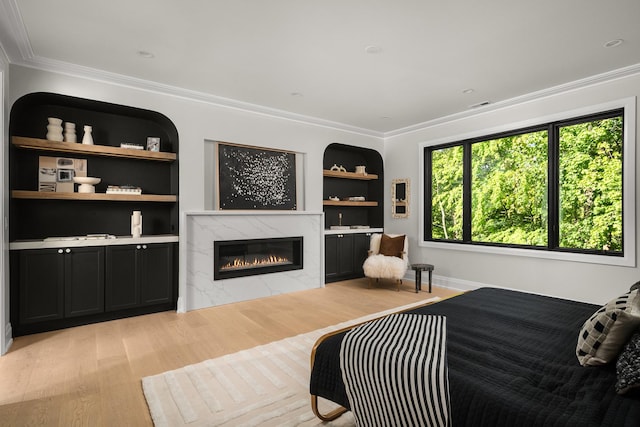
point(419, 268)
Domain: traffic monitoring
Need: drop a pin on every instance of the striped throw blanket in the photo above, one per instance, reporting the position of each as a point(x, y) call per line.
point(395, 371)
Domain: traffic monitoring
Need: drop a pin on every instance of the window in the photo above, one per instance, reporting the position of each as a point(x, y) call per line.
point(557, 186)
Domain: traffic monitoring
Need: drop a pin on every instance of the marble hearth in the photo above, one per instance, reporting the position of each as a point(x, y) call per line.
point(206, 227)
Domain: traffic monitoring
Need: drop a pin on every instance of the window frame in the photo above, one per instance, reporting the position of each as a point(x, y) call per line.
point(550, 123)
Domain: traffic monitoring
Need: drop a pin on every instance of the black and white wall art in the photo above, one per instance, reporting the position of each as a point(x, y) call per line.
point(255, 178)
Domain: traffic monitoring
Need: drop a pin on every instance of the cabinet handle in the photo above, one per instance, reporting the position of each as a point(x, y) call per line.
point(67, 250)
point(60, 251)
point(144, 246)
point(138, 247)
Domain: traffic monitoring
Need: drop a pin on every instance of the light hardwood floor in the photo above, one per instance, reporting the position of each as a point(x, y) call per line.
point(90, 375)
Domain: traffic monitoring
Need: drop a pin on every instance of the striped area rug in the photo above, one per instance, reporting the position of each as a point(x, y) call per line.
point(266, 385)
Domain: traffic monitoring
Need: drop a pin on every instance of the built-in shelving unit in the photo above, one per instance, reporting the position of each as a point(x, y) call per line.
point(56, 285)
point(366, 203)
point(349, 175)
point(343, 185)
point(345, 251)
point(96, 150)
point(39, 214)
point(41, 195)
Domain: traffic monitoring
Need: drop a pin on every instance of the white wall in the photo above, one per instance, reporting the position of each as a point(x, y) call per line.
point(196, 122)
point(580, 281)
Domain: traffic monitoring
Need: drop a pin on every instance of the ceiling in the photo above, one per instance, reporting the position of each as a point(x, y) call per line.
point(371, 65)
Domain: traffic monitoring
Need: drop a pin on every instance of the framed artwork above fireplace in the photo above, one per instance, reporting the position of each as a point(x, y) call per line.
point(255, 178)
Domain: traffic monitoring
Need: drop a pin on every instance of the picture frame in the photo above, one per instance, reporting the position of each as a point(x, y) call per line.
point(400, 198)
point(153, 143)
point(255, 178)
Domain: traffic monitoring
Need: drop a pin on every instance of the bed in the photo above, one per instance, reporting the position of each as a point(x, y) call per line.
point(511, 361)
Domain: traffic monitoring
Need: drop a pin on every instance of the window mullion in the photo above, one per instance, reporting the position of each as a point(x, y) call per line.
point(428, 194)
point(466, 193)
point(553, 186)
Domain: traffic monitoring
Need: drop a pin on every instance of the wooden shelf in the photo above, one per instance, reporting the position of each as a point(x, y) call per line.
point(349, 175)
point(41, 195)
point(348, 203)
point(94, 150)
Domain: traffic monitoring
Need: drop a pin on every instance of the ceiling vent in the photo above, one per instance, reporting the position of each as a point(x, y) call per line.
point(480, 104)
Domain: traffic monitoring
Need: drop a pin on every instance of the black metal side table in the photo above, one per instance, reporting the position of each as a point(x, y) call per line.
point(419, 268)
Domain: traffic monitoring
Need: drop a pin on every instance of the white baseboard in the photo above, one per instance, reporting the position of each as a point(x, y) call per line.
point(447, 282)
point(8, 338)
point(181, 306)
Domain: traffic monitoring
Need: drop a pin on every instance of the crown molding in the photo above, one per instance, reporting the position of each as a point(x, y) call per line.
point(523, 99)
point(14, 40)
point(65, 68)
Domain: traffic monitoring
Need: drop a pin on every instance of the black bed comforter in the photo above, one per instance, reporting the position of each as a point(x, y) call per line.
point(511, 362)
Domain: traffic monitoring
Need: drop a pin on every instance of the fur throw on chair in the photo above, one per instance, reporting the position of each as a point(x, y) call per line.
point(384, 267)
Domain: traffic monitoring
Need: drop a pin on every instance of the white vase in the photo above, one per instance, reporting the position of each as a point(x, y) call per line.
point(136, 224)
point(70, 132)
point(54, 129)
point(87, 138)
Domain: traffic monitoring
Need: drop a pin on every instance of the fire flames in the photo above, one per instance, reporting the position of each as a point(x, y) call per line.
point(261, 261)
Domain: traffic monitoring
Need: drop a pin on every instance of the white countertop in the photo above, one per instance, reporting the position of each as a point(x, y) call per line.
point(83, 241)
point(354, 231)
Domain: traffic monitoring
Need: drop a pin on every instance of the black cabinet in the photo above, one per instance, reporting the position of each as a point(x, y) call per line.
point(344, 255)
point(139, 275)
point(41, 286)
point(121, 289)
point(63, 287)
point(361, 243)
point(59, 283)
point(156, 274)
point(83, 281)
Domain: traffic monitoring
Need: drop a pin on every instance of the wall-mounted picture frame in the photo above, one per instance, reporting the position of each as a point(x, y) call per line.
point(400, 198)
point(255, 178)
point(153, 143)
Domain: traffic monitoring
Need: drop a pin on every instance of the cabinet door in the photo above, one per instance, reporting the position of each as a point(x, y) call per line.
point(156, 273)
point(121, 288)
point(330, 257)
point(361, 245)
point(84, 281)
point(41, 285)
point(346, 263)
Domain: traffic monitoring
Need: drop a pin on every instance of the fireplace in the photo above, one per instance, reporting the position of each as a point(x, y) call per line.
point(239, 258)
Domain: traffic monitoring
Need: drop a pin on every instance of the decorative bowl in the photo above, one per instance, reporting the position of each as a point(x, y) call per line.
point(86, 180)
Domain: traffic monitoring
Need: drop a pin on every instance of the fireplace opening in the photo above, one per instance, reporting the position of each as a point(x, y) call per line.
point(238, 258)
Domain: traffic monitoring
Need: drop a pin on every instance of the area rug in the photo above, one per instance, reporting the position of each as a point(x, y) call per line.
point(266, 385)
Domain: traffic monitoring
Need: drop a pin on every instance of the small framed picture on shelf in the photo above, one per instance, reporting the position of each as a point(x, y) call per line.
point(153, 143)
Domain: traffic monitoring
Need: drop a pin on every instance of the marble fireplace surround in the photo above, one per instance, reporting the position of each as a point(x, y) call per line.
point(205, 227)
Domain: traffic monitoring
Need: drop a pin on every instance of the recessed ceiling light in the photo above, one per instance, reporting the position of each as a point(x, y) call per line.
point(372, 49)
point(145, 54)
point(467, 91)
point(297, 94)
point(613, 43)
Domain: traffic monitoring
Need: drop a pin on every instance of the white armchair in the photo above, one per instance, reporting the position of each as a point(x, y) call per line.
point(388, 258)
